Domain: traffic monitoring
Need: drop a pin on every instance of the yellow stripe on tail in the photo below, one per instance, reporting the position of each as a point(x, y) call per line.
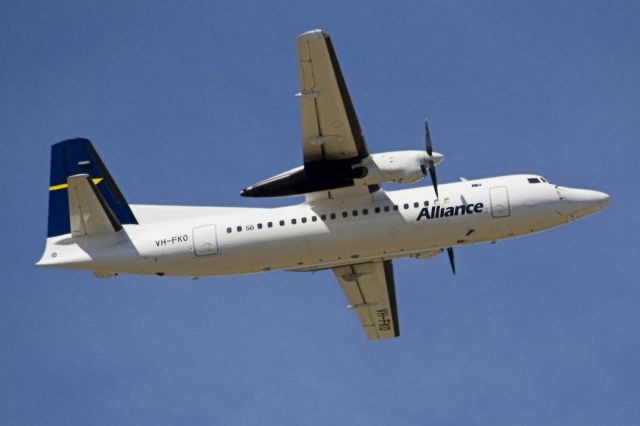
point(66, 185)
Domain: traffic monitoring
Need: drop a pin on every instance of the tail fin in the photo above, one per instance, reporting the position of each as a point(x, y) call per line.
point(78, 157)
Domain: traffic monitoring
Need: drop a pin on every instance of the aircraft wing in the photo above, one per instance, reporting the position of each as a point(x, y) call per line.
point(370, 290)
point(330, 127)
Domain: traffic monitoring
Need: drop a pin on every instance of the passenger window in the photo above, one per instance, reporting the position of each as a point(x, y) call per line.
point(259, 226)
point(282, 223)
point(293, 221)
point(377, 210)
point(333, 216)
point(323, 216)
point(314, 218)
point(365, 212)
point(416, 204)
point(239, 229)
point(270, 224)
point(355, 213)
point(386, 208)
point(345, 214)
point(304, 220)
point(228, 230)
point(406, 206)
point(395, 207)
point(426, 204)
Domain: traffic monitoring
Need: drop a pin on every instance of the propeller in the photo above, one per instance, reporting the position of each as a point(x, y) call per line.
point(451, 260)
point(429, 148)
point(434, 180)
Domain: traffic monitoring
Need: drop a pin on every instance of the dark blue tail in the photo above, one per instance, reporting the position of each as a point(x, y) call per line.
point(73, 157)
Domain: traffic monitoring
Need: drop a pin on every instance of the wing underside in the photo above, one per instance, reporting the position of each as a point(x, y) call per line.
point(370, 291)
point(330, 127)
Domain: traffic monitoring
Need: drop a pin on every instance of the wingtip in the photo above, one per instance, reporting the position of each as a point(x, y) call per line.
point(313, 34)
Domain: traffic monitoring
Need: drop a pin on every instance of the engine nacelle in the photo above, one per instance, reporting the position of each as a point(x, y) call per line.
point(399, 166)
point(324, 175)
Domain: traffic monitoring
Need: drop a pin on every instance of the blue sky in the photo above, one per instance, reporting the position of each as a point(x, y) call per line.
point(189, 102)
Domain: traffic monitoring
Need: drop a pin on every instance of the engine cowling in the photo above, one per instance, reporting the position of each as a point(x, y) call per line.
point(403, 167)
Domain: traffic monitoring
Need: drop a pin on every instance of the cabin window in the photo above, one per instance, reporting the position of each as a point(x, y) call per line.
point(228, 230)
point(323, 216)
point(293, 221)
point(239, 229)
point(259, 226)
point(386, 208)
point(395, 207)
point(270, 224)
point(426, 204)
point(406, 206)
point(332, 216)
point(282, 223)
point(345, 214)
point(365, 212)
point(533, 180)
point(314, 218)
point(416, 204)
point(377, 210)
point(303, 220)
point(355, 213)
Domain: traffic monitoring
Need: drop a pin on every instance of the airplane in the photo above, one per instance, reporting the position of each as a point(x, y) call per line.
point(347, 222)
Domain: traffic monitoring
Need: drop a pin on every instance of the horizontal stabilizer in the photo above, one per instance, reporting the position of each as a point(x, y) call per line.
point(89, 214)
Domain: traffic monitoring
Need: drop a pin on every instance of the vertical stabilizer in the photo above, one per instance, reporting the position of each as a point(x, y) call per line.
point(78, 157)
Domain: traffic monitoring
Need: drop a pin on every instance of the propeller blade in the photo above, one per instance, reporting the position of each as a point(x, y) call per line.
point(429, 148)
point(427, 138)
point(434, 180)
point(451, 260)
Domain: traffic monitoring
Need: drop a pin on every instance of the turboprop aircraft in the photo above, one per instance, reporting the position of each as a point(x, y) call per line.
point(347, 223)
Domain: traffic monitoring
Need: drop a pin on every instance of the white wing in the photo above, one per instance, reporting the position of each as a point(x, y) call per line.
point(370, 290)
point(330, 127)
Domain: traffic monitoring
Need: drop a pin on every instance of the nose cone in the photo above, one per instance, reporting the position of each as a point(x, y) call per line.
point(603, 199)
point(582, 202)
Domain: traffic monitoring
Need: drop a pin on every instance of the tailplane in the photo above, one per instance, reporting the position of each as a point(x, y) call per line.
point(97, 205)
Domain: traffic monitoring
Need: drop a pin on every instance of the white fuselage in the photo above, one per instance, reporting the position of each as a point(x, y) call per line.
point(200, 241)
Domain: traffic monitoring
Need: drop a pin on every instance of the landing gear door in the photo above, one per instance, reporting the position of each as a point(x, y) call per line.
point(499, 201)
point(205, 241)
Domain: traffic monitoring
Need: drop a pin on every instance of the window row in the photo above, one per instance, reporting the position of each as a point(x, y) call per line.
point(332, 216)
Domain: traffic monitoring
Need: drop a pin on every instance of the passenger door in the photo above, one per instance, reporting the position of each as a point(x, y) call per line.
point(205, 241)
point(499, 201)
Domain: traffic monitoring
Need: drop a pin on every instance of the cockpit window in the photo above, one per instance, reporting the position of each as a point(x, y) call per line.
point(542, 179)
point(533, 180)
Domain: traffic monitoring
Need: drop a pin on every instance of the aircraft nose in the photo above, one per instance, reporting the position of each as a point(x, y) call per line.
point(603, 199)
point(588, 198)
point(581, 202)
